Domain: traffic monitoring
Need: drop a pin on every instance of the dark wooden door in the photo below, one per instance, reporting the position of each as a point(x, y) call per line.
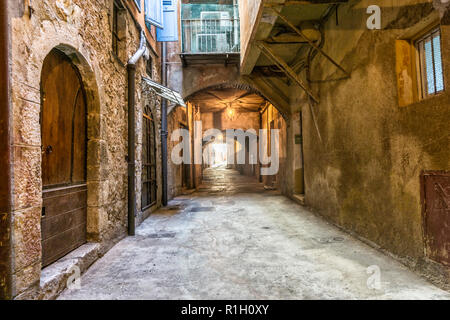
point(63, 129)
point(436, 204)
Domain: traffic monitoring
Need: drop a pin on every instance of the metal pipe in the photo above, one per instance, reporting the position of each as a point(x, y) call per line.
point(259, 137)
point(5, 158)
point(131, 72)
point(164, 128)
point(302, 154)
point(140, 52)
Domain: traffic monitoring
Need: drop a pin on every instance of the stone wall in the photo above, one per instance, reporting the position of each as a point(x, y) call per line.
point(82, 30)
point(364, 174)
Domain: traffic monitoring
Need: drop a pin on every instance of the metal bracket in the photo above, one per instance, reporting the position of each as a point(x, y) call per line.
point(267, 51)
point(164, 133)
point(310, 42)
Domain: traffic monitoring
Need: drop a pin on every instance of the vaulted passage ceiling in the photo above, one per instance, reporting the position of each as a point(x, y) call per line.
point(214, 100)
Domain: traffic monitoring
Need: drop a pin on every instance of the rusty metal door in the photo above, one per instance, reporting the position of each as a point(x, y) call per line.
point(63, 129)
point(436, 215)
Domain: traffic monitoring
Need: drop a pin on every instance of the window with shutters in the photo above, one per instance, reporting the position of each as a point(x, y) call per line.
point(429, 64)
point(419, 68)
point(153, 13)
point(170, 18)
point(148, 159)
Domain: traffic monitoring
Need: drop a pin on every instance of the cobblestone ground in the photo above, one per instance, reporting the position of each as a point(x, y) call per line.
point(234, 240)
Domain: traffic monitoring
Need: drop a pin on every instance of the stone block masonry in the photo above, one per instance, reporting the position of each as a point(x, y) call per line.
point(82, 30)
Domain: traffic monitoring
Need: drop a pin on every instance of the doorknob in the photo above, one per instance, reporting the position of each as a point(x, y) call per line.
point(49, 149)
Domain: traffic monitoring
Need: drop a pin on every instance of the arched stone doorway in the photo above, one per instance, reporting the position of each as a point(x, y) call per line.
point(64, 150)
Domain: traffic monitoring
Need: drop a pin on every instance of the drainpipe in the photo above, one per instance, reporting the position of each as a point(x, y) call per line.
point(302, 159)
point(131, 71)
point(164, 127)
point(259, 144)
point(5, 158)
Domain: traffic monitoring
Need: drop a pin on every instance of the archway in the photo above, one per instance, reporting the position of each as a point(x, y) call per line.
point(242, 85)
point(85, 170)
point(244, 112)
point(64, 154)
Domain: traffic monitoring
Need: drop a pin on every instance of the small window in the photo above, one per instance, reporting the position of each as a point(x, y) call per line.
point(118, 27)
point(429, 67)
point(149, 67)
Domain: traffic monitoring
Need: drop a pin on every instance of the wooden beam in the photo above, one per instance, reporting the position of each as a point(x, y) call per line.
point(275, 97)
point(261, 29)
point(290, 37)
point(310, 42)
point(283, 66)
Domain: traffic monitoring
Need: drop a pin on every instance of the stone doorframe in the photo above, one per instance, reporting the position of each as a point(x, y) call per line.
point(27, 179)
point(96, 146)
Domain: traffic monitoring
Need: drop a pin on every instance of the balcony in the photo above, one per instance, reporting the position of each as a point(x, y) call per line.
point(210, 34)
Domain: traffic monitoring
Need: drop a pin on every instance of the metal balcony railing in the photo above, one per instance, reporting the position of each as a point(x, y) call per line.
point(204, 36)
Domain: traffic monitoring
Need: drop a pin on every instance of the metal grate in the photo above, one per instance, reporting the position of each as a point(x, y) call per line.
point(210, 35)
point(148, 160)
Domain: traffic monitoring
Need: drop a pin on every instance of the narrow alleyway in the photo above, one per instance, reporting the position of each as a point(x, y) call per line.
point(234, 240)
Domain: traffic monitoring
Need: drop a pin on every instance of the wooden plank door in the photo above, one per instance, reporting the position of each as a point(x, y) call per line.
point(436, 205)
point(63, 129)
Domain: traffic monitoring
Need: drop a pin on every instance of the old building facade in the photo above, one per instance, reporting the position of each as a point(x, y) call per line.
point(370, 138)
point(69, 139)
point(362, 142)
point(354, 96)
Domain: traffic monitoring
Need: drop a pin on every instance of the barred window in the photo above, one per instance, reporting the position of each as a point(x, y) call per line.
point(148, 159)
point(430, 73)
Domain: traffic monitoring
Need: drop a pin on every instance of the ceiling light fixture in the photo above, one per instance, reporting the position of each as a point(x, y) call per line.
point(231, 112)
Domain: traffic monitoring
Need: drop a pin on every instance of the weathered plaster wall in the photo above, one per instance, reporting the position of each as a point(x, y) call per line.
point(82, 29)
point(248, 20)
point(199, 77)
point(364, 175)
